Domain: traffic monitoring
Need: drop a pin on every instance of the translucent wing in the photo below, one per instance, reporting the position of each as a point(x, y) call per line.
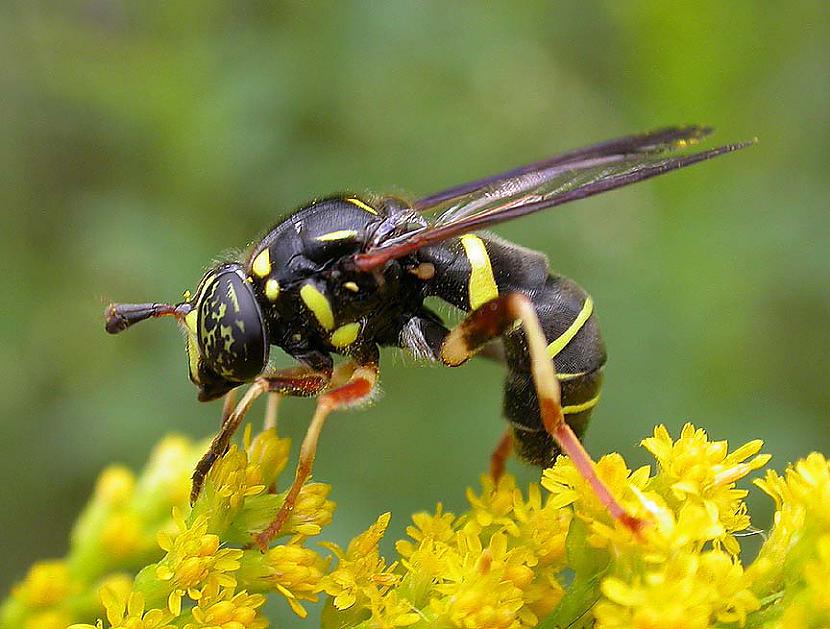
point(651, 143)
point(528, 189)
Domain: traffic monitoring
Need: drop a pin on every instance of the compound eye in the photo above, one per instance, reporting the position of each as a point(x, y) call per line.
point(231, 332)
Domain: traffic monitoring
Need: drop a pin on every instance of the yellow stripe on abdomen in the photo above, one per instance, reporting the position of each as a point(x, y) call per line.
point(482, 284)
point(559, 343)
point(573, 409)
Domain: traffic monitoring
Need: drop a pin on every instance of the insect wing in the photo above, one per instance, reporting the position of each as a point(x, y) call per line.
point(652, 142)
point(535, 190)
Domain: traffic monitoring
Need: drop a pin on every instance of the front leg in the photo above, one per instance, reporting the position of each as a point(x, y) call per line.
point(358, 382)
point(298, 381)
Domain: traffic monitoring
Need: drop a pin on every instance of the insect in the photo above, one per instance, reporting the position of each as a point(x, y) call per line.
point(348, 274)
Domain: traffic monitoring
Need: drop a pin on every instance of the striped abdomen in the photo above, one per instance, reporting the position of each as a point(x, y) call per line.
point(472, 270)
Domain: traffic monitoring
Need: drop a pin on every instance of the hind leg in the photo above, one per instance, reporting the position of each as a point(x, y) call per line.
point(497, 317)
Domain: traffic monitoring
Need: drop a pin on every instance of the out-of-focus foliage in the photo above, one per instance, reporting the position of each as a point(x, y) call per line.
point(140, 140)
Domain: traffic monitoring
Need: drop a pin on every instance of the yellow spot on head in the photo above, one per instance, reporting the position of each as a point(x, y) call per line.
point(559, 343)
point(341, 234)
point(190, 320)
point(351, 286)
point(362, 205)
point(482, 285)
point(262, 263)
point(345, 335)
point(319, 305)
point(193, 357)
point(272, 289)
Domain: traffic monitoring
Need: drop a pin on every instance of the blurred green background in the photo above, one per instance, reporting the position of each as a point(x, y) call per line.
point(140, 140)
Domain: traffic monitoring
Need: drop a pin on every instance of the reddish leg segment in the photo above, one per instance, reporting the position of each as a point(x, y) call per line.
point(498, 460)
point(493, 319)
point(295, 382)
point(358, 386)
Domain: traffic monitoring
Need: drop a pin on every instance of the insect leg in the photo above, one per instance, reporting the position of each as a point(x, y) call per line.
point(294, 382)
point(498, 459)
point(271, 411)
point(228, 405)
point(359, 383)
point(497, 317)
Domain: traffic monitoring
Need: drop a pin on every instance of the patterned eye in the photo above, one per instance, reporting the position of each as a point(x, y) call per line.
point(231, 333)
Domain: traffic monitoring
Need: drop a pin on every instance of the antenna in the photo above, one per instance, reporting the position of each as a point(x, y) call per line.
point(121, 316)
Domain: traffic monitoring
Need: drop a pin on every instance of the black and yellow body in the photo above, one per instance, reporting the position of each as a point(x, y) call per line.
point(474, 269)
point(313, 305)
point(350, 274)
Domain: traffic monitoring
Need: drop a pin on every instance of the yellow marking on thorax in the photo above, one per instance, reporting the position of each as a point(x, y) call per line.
point(559, 343)
point(272, 289)
point(362, 205)
point(482, 284)
point(351, 286)
point(319, 305)
point(341, 234)
point(573, 409)
point(262, 263)
point(345, 335)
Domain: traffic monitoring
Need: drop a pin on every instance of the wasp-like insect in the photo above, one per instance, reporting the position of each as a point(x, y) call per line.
point(349, 274)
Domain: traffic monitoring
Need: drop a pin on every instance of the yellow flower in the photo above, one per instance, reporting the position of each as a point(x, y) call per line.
point(427, 529)
point(568, 487)
point(484, 586)
point(817, 577)
point(543, 528)
point(511, 561)
point(129, 612)
point(228, 484)
point(47, 583)
point(362, 574)
point(494, 505)
point(311, 512)
point(166, 478)
point(52, 619)
point(267, 455)
point(295, 572)
point(391, 611)
point(194, 560)
point(122, 536)
point(687, 592)
point(115, 486)
point(809, 484)
point(694, 467)
point(425, 560)
point(222, 609)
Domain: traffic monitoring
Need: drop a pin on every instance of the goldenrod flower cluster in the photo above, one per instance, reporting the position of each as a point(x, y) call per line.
point(134, 564)
point(553, 557)
point(549, 556)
